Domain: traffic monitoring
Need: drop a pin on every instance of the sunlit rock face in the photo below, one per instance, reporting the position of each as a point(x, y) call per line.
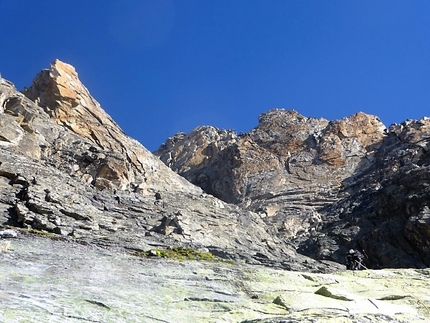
point(108, 157)
point(49, 280)
point(286, 169)
point(78, 197)
point(293, 187)
point(67, 169)
point(286, 151)
point(324, 186)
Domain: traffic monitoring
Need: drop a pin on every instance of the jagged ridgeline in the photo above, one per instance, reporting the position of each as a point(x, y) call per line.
point(293, 193)
point(69, 170)
point(323, 186)
point(290, 184)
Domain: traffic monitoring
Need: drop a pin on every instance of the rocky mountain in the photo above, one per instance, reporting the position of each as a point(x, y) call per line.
point(68, 169)
point(324, 186)
point(81, 199)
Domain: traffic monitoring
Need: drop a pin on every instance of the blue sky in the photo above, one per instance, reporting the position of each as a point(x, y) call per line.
point(163, 66)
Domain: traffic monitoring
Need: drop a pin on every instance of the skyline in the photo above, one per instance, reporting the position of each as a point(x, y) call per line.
point(159, 67)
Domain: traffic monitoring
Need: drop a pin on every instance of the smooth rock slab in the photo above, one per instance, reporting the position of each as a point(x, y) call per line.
point(46, 280)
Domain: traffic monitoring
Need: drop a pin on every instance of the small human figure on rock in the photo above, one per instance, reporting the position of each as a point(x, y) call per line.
point(354, 260)
point(158, 200)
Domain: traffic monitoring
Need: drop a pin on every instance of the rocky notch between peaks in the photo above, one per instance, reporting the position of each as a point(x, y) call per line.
point(86, 201)
point(291, 184)
point(68, 169)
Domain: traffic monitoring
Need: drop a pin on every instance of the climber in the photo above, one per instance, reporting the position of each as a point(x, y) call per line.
point(354, 260)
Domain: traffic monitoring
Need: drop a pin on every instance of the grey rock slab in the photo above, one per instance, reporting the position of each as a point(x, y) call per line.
point(50, 280)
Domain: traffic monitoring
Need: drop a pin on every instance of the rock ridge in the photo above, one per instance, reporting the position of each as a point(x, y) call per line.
point(291, 188)
point(67, 169)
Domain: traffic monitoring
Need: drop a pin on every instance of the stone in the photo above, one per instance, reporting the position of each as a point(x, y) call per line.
point(323, 186)
point(74, 172)
point(8, 233)
point(105, 155)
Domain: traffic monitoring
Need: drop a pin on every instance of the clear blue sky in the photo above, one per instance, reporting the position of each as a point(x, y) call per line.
point(163, 66)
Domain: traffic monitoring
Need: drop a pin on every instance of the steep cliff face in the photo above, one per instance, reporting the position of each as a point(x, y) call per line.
point(384, 208)
point(325, 186)
point(68, 169)
point(286, 169)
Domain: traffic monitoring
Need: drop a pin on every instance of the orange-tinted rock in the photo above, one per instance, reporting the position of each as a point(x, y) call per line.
point(118, 161)
point(285, 152)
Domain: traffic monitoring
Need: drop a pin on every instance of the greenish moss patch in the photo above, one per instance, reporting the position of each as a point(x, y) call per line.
point(177, 253)
point(42, 233)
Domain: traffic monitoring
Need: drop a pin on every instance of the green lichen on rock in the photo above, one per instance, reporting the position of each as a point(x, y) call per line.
point(177, 253)
point(58, 281)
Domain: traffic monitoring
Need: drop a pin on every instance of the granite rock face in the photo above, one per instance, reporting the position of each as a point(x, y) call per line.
point(324, 186)
point(385, 206)
point(51, 280)
point(288, 161)
point(103, 154)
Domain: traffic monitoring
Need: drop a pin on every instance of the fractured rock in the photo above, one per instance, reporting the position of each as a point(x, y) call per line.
point(324, 186)
point(68, 169)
